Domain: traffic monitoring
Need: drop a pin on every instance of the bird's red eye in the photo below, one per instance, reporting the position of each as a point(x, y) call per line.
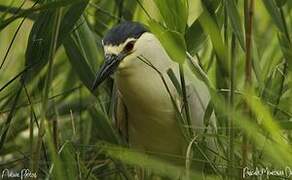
point(129, 47)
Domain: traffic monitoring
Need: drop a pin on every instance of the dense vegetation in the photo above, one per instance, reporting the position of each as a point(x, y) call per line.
point(54, 124)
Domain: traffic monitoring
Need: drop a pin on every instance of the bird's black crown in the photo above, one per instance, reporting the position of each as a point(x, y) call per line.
point(122, 32)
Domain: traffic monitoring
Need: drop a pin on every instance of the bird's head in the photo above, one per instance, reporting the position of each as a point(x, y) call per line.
point(121, 47)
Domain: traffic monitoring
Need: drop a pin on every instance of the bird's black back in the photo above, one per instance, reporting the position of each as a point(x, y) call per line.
point(122, 32)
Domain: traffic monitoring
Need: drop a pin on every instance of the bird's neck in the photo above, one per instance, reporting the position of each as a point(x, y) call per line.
point(144, 85)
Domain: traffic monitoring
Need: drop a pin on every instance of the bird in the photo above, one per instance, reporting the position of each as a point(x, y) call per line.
point(144, 111)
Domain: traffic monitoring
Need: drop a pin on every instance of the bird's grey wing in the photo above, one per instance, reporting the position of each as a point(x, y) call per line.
point(197, 105)
point(120, 116)
point(198, 99)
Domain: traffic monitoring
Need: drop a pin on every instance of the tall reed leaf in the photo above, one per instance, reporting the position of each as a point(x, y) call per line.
point(48, 6)
point(235, 21)
point(195, 37)
point(211, 28)
point(41, 36)
point(176, 17)
point(274, 13)
point(171, 31)
point(78, 62)
point(172, 41)
point(87, 43)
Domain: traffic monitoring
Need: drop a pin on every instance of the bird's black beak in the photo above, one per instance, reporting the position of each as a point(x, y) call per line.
point(111, 63)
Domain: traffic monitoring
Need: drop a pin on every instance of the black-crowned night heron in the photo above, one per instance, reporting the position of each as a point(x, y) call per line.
point(145, 112)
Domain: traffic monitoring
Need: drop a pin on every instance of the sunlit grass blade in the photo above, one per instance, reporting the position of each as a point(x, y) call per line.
point(136, 158)
point(176, 17)
point(172, 41)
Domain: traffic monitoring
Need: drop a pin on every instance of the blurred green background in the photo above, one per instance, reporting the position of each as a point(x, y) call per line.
point(51, 122)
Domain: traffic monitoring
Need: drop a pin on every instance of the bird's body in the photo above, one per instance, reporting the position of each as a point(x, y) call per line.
point(150, 127)
point(145, 111)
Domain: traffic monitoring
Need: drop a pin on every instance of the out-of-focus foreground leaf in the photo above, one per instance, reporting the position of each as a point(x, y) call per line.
point(172, 41)
point(175, 17)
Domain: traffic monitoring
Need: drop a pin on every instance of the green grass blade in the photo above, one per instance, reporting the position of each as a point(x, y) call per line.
point(78, 62)
point(211, 28)
point(139, 159)
point(172, 41)
point(235, 21)
point(195, 38)
point(274, 13)
point(176, 17)
point(27, 12)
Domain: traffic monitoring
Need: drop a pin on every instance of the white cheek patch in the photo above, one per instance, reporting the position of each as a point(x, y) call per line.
point(109, 49)
point(127, 61)
point(122, 65)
